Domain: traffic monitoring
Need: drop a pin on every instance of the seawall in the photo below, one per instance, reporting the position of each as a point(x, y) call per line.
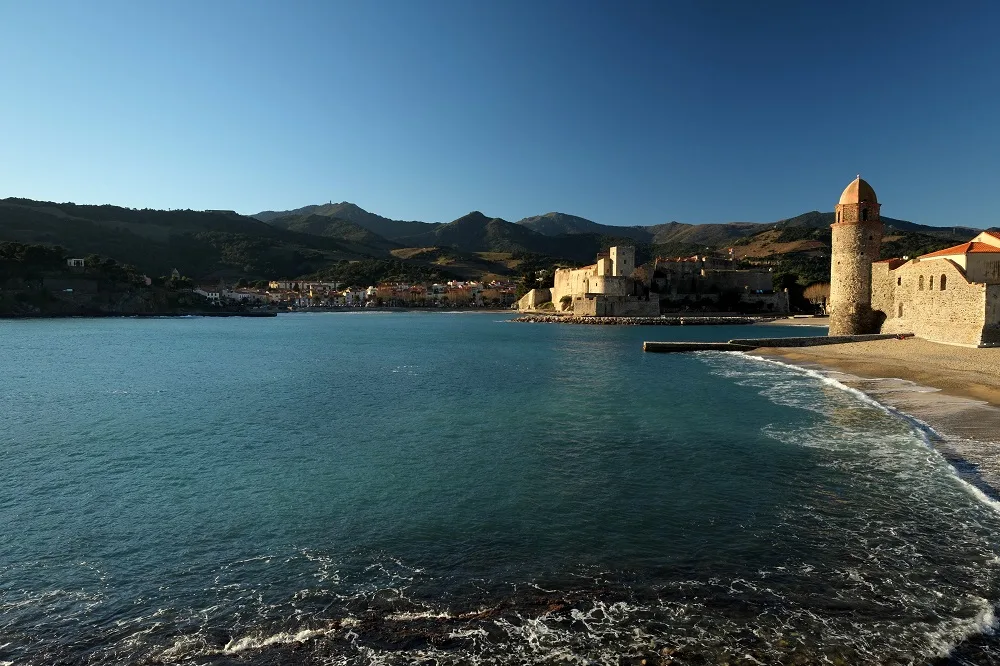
point(749, 344)
point(639, 321)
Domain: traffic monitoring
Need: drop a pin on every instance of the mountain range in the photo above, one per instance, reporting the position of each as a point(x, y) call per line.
point(325, 239)
point(476, 229)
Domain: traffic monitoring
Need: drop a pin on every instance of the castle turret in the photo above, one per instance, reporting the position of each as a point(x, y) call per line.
point(622, 260)
point(857, 239)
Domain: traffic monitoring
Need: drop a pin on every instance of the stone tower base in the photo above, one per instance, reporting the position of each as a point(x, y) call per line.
point(859, 321)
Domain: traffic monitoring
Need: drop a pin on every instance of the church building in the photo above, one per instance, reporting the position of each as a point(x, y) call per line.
point(950, 296)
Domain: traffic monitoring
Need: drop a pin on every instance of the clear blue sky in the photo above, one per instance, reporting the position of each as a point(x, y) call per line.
point(624, 113)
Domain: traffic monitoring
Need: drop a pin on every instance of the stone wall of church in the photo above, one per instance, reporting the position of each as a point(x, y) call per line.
point(956, 314)
point(991, 331)
point(984, 268)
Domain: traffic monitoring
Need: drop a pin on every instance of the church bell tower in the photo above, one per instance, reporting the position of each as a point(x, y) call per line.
point(856, 242)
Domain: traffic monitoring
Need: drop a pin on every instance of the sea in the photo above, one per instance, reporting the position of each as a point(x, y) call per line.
point(455, 488)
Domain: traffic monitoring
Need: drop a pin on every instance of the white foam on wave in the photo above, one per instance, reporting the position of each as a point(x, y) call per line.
point(238, 645)
point(951, 633)
point(923, 430)
point(823, 378)
point(946, 637)
point(425, 615)
point(187, 647)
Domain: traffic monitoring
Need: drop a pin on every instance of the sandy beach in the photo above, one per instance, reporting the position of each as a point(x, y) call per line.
point(953, 390)
point(959, 371)
point(796, 321)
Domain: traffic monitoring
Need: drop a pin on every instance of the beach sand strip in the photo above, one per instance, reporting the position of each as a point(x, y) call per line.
point(953, 390)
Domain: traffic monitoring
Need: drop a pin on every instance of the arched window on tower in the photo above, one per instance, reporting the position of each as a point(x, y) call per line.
point(900, 309)
point(864, 214)
point(920, 283)
point(944, 281)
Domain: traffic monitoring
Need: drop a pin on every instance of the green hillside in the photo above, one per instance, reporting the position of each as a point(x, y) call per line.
point(324, 240)
point(337, 228)
point(382, 226)
point(204, 245)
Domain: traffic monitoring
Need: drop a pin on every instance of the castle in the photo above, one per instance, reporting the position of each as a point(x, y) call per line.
point(603, 289)
point(612, 287)
point(679, 281)
point(950, 296)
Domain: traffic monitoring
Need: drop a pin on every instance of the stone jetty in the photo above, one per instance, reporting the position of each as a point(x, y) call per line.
point(756, 343)
point(663, 320)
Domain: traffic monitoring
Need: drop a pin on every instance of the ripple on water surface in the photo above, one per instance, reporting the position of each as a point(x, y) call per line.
point(474, 492)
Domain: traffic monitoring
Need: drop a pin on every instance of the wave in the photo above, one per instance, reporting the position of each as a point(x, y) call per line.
point(951, 633)
point(924, 431)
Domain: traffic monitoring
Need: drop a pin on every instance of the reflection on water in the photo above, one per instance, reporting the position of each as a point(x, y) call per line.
point(453, 490)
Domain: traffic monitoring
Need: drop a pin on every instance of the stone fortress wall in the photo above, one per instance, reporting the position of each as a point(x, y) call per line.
point(603, 289)
point(706, 278)
point(609, 277)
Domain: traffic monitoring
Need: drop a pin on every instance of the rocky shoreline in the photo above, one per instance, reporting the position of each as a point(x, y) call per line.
point(663, 320)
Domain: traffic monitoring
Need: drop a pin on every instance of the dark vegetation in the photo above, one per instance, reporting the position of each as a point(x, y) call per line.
point(345, 243)
point(36, 281)
point(201, 244)
point(372, 271)
point(913, 244)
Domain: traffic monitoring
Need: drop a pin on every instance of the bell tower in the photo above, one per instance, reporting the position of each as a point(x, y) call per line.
point(856, 242)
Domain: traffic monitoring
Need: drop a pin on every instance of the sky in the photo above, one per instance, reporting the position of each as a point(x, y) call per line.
point(620, 112)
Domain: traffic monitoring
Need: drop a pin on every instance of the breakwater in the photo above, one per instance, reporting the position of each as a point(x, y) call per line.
point(639, 321)
point(750, 344)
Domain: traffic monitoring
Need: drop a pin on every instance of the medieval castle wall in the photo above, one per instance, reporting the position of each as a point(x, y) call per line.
point(609, 277)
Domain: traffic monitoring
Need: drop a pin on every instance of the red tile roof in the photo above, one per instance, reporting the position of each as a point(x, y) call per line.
point(995, 234)
point(964, 248)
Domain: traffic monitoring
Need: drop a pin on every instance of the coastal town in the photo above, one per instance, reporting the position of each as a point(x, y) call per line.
point(316, 295)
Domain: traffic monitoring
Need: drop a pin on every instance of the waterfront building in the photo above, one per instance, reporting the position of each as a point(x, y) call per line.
point(950, 296)
point(607, 287)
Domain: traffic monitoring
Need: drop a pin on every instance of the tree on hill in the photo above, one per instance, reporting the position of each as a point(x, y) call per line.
point(369, 272)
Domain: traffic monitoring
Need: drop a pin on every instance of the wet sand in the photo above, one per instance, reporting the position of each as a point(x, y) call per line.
point(953, 391)
point(959, 371)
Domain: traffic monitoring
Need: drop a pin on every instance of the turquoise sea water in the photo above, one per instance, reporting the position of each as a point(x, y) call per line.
point(453, 488)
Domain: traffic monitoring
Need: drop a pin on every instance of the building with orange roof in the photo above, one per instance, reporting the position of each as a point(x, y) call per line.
point(950, 296)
